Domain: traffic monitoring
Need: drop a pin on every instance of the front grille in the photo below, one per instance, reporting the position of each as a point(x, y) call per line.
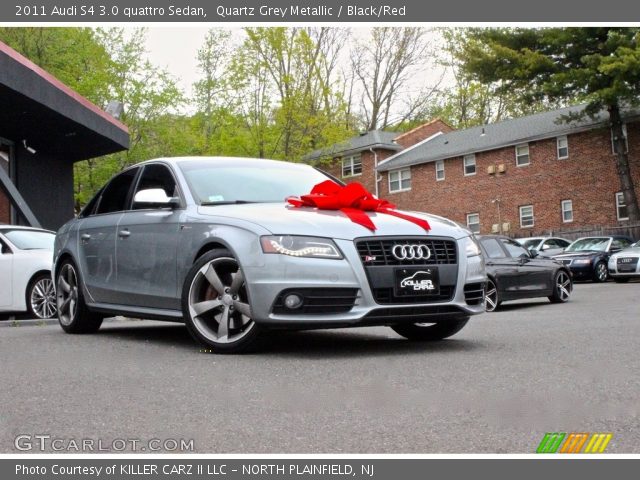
point(318, 301)
point(375, 252)
point(474, 293)
point(387, 296)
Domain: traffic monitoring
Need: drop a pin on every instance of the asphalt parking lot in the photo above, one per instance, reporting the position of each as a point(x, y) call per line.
point(497, 386)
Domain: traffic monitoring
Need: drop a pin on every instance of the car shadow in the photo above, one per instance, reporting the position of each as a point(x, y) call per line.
point(507, 307)
point(310, 344)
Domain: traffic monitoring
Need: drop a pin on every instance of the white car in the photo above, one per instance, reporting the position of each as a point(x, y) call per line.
point(544, 246)
point(25, 271)
point(625, 264)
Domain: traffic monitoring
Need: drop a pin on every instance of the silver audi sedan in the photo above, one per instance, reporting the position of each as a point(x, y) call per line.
point(211, 242)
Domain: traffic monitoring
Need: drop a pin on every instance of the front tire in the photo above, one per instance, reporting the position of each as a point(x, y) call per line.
point(600, 272)
point(216, 306)
point(491, 298)
point(562, 287)
point(423, 332)
point(73, 314)
point(41, 297)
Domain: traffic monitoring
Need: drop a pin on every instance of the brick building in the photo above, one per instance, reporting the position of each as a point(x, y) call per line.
point(356, 158)
point(522, 177)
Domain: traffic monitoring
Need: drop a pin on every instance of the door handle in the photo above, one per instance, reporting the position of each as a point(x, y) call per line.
point(85, 236)
point(124, 233)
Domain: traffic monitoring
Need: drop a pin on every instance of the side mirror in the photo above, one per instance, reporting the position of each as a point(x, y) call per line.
point(154, 198)
point(534, 253)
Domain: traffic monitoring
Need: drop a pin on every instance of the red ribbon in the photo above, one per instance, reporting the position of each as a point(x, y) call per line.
point(353, 200)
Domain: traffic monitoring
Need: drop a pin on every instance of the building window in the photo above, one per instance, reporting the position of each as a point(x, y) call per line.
point(621, 207)
point(469, 162)
point(522, 155)
point(567, 211)
point(473, 222)
point(440, 170)
point(400, 180)
point(563, 147)
point(526, 216)
point(352, 166)
point(626, 140)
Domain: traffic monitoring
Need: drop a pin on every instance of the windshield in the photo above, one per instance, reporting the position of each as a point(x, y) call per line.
point(30, 240)
point(531, 243)
point(254, 181)
point(596, 243)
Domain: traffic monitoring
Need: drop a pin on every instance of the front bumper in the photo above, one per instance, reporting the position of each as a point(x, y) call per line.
point(614, 269)
point(278, 273)
point(581, 272)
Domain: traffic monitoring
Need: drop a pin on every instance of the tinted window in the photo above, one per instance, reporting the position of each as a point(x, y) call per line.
point(531, 243)
point(90, 207)
point(563, 243)
point(156, 176)
point(114, 196)
point(493, 248)
point(514, 248)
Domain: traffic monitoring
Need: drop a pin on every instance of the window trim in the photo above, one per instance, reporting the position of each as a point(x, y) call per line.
point(439, 162)
point(620, 219)
point(399, 172)
point(521, 145)
point(533, 218)
point(558, 147)
point(133, 192)
point(626, 139)
point(562, 210)
point(477, 214)
point(464, 164)
point(351, 159)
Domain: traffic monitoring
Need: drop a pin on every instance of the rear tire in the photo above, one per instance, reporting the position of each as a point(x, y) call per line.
point(216, 307)
point(621, 280)
point(430, 333)
point(600, 272)
point(73, 314)
point(562, 287)
point(41, 297)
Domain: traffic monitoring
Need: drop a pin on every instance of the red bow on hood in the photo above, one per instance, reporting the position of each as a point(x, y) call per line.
point(353, 200)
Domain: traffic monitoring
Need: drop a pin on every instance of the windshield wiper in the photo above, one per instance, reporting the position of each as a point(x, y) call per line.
point(226, 202)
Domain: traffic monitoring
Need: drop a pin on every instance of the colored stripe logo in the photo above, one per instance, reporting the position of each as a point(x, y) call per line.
point(574, 442)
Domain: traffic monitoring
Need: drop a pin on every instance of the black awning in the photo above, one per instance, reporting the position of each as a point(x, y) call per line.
point(49, 116)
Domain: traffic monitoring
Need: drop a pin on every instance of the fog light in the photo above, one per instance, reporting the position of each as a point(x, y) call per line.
point(293, 301)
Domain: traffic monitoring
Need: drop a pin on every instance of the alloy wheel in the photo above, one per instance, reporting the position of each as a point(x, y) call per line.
point(563, 286)
point(218, 302)
point(67, 294)
point(43, 298)
point(601, 272)
point(491, 297)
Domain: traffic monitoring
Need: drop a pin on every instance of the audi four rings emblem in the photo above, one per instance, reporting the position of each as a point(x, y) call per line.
point(418, 251)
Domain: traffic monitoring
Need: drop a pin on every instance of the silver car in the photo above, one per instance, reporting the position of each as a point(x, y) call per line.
point(625, 264)
point(211, 242)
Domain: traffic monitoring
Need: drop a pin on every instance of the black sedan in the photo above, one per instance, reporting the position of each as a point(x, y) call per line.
point(587, 257)
point(514, 273)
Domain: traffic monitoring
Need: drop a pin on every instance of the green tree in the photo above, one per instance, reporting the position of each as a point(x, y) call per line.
point(597, 65)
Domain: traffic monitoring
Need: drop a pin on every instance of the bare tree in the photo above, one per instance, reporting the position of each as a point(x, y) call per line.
point(390, 70)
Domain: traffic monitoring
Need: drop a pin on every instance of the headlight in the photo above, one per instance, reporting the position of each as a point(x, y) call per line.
point(582, 261)
point(295, 246)
point(471, 246)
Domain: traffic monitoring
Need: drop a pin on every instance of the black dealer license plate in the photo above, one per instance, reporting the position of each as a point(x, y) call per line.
point(417, 281)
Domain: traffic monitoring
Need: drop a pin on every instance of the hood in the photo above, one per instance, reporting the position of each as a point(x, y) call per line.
point(633, 251)
point(279, 218)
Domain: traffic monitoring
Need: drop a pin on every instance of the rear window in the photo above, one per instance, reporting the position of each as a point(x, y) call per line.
point(30, 240)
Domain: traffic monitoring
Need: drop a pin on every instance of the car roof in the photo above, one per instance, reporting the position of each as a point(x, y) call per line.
point(236, 161)
point(617, 237)
point(4, 227)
